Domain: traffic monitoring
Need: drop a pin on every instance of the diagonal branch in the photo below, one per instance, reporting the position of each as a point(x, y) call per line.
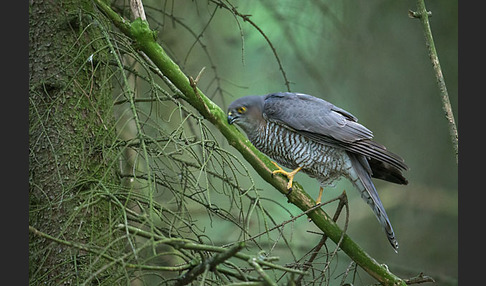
point(145, 40)
point(424, 15)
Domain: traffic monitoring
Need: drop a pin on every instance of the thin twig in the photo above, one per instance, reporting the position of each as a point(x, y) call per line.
point(180, 243)
point(424, 15)
point(118, 260)
point(209, 264)
point(246, 18)
point(267, 280)
point(217, 78)
point(343, 200)
point(291, 220)
point(421, 278)
point(137, 9)
point(351, 265)
point(193, 82)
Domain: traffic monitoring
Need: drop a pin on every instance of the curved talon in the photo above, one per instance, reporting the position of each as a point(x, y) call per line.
point(289, 192)
point(288, 195)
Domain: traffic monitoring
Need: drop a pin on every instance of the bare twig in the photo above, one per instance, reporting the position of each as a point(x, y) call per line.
point(198, 39)
point(267, 280)
point(180, 243)
point(193, 82)
point(246, 18)
point(351, 265)
point(137, 9)
point(210, 264)
point(101, 253)
point(343, 200)
point(421, 278)
point(424, 15)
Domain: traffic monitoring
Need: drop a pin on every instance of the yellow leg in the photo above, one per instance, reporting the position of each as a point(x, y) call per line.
point(289, 175)
point(318, 201)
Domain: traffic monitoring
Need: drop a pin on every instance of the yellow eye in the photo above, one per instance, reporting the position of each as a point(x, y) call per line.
point(241, 110)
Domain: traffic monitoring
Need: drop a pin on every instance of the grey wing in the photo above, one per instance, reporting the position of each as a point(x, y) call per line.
point(308, 113)
point(325, 122)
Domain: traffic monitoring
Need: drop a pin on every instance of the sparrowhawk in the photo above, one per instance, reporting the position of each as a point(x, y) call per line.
point(308, 134)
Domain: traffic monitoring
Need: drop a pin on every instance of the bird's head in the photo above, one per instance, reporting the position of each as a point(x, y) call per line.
point(246, 112)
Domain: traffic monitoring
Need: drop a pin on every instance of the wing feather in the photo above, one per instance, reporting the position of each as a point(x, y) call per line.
point(308, 113)
point(324, 122)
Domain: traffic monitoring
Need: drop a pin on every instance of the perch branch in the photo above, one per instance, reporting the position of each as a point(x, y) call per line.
point(145, 40)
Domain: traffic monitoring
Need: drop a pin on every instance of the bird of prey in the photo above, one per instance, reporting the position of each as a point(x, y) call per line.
point(305, 133)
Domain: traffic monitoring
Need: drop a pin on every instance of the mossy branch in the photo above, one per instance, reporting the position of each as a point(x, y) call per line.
point(424, 15)
point(122, 260)
point(145, 40)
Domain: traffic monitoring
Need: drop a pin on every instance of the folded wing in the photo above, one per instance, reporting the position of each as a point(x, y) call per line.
point(324, 122)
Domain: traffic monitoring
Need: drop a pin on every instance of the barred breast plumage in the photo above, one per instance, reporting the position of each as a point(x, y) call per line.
point(292, 150)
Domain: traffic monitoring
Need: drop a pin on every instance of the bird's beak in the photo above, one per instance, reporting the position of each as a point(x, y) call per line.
point(231, 118)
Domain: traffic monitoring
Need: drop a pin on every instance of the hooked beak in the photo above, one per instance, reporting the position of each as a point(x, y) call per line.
point(231, 118)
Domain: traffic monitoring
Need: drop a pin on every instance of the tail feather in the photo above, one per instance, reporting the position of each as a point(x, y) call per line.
point(384, 171)
point(361, 178)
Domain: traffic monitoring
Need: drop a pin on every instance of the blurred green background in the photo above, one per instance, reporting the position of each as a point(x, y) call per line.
point(367, 57)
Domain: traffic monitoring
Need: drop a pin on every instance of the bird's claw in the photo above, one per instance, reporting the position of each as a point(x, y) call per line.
point(289, 175)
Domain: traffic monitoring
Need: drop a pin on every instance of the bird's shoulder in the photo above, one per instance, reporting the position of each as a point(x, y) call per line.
point(310, 114)
point(301, 104)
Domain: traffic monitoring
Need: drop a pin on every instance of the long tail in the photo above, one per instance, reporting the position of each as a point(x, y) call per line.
point(360, 175)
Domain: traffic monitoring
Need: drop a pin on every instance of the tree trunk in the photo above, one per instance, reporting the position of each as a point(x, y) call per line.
point(70, 127)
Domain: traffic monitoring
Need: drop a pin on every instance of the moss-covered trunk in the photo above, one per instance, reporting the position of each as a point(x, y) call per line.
point(70, 127)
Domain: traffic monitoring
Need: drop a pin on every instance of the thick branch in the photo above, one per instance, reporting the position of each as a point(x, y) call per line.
point(145, 39)
point(424, 15)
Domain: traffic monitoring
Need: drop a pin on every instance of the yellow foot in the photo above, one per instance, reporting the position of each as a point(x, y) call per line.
point(289, 175)
point(318, 201)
